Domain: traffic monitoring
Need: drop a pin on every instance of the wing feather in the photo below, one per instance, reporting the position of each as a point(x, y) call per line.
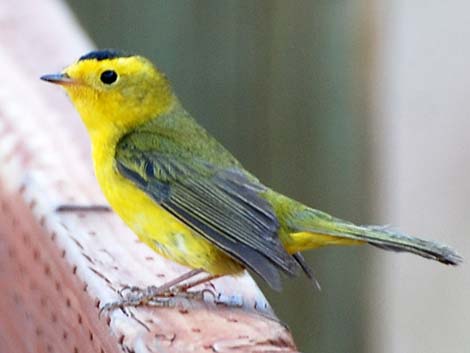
point(222, 204)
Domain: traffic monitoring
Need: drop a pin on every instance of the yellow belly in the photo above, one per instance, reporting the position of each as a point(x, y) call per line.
point(156, 227)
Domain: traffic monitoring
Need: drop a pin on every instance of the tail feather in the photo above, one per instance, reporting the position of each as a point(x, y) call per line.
point(388, 239)
point(307, 228)
point(428, 249)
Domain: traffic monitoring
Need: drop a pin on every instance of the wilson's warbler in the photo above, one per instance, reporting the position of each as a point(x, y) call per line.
point(185, 195)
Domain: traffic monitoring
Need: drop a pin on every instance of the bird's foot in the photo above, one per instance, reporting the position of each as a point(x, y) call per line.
point(160, 296)
point(167, 295)
point(157, 297)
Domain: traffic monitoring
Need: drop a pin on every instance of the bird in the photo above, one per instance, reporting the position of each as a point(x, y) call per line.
point(186, 196)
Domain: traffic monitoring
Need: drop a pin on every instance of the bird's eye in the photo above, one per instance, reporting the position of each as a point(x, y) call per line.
point(108, 77)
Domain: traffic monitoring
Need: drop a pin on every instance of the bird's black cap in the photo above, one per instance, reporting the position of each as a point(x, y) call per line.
point(104, 55)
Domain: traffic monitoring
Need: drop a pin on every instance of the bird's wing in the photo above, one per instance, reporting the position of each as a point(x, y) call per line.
point(221, 204)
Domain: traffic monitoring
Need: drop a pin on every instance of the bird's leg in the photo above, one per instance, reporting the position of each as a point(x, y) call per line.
point(182, 289)
point(176, 289)
point(163, 295)
point(151, 294)
point(219, 298)
point(185, 287)
point(83, 208)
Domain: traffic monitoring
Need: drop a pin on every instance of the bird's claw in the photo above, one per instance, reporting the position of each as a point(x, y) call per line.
point(135, 289)
point(137, 296)
point(153, 297)
point(111, 306)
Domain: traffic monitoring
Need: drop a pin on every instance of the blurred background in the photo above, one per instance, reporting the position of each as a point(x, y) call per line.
point(358, 108)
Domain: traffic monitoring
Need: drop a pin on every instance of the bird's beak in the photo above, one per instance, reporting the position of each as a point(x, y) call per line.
point(59, 79)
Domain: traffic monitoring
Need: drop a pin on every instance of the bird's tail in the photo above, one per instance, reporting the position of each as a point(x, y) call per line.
point(311, 229)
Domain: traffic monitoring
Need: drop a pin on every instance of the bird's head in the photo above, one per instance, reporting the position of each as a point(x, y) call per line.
point(113, 90)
